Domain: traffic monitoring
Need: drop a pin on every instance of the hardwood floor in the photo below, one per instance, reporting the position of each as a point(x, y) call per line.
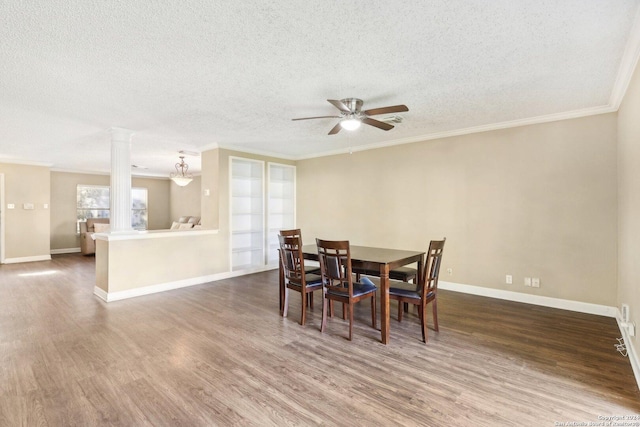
point(220, 354)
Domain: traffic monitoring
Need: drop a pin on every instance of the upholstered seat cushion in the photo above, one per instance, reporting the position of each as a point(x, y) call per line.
point(359, 288)
point(311, 280)
point(311, 269)
point(406, 293)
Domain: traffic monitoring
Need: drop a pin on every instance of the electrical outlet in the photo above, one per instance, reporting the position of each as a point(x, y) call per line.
point(527, 281)
point(630, 327)
point(624, 312)
point(449, 271)
point(509, 279)
point(535, 282)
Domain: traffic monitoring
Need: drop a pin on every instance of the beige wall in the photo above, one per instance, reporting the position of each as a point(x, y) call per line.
point(629, 203)
point(210, 180)
point(26, 231)
point(159, 201)
point(123, 265)
point(534, 201)
point(185, 201)
point(63, 205)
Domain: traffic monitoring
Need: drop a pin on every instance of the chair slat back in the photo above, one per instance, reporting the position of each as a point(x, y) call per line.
point(335, 266)
point(431, 271)
point(291, 257)
point(291, 233)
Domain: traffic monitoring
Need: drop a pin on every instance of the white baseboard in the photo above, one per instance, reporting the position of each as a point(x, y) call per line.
point(65, 251)
point(100, 293)
point(168, 286)
point(27, 259)
point(564, 304)
point(631, 352)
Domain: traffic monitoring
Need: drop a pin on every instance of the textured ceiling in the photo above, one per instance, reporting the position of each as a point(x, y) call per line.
point(190, 74)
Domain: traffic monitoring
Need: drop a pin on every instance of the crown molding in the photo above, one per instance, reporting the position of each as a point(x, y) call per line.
point(161, 176)
point(264, 153)
point(86, 172)
point(133, 175)
point(470, 130)
point(25, 162)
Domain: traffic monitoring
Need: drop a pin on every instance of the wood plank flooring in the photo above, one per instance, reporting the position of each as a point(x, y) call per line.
point(220, 354)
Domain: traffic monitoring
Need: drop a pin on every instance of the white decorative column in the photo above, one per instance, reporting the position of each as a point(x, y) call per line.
point(120, 194)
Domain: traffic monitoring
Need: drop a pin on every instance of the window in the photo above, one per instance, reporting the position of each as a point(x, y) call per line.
point(93, 202)
point(139, 208)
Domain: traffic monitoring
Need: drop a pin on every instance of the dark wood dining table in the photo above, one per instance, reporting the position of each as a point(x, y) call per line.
point(377, 259)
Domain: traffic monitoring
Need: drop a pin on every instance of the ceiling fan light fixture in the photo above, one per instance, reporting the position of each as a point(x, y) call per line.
point(350, 124)
point(352, 116)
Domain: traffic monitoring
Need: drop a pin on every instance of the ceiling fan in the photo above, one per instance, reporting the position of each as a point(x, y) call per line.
point(351, 115)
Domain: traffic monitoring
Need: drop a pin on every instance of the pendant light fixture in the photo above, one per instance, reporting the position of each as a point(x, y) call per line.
point(181, 176)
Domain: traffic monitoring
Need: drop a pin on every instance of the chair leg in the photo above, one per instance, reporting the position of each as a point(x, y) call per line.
point(400, 304)
point(344, 311)
point(303, 318)
point(423, 322)
point(285, 305)
point(406, 304)
point(373, 310)
point(311, 300)
point(350, 319)
point(435, 313)
point(325, 303)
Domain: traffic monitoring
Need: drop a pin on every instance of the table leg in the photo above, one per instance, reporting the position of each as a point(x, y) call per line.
point(384, 303)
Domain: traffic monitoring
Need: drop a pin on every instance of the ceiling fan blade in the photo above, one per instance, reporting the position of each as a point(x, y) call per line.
point(377, 123)
point(339, 105)
point(335, 129)
point(386, 110)
point(318, 117)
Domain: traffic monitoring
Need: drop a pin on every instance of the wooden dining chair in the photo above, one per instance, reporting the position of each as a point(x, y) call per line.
point(295, 276)
point(310, 269)
point(338, 284)
point(426, 291)
point(296, 232)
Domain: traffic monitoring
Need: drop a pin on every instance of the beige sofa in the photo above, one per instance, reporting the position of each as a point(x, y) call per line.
point(87, 244)
point(186, 223)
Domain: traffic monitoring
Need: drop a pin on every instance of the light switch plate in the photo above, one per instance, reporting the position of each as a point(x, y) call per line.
point(11, 206)
point(27, 206)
